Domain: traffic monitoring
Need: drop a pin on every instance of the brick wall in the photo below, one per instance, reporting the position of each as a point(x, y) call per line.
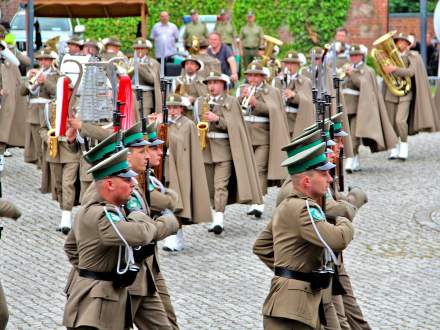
point(368, 19)
point(8, 9)
point(410, 23)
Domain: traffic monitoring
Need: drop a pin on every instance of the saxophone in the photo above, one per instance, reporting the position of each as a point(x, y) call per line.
point(202, 126)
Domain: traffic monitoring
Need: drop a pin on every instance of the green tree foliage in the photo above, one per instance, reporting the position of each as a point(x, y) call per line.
point(296, 22)
point(410, 6)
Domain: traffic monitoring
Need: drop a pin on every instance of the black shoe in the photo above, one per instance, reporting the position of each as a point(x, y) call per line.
point(217, 229)
point(166, 248)
point(64, 230)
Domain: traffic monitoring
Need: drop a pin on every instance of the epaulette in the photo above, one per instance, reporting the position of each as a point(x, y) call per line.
point(316, 213)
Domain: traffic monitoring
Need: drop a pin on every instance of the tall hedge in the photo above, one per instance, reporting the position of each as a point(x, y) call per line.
point(300, 23)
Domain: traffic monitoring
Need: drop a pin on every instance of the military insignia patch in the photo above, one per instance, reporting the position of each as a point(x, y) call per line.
point(113, 217)
point(317, 214)
point(133, 204)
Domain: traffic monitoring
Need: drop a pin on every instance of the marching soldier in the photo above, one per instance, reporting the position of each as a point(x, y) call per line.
point(210, 63)
point(147, 307)
point(266, 123)
point(74, 46)
point(251, 36)
point(112, 48)
point(365, 109)
point(162, 200)
point(186, 173)
point(296, 90)
point(194, 29)
point(103, 231)
point(7, 210)
point(62, 156)
point(190, 83)
point(11, 114)
point(228, 151)
point(91, 48)
point(415, 107)
point(302, 241)
point(149, 77)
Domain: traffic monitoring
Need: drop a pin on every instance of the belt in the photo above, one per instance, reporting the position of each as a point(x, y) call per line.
point(144, 88)
point(256, 119)
point(216, 135)
point(350, 91)
point(291, 109)
point(293, 275)
point(39, 100)
point(100, 276)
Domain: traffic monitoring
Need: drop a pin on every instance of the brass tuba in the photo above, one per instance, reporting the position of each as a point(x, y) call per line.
point(202, 125)
point(271, 42)
point(195, 46)
point(386, 53)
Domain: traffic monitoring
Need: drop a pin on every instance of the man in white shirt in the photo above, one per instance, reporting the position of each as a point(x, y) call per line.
point(165, 35)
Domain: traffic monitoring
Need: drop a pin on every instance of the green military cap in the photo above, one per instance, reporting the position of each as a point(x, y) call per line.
point(312, 158)
point(142, 43)
point(115, 165)
point(194, 59)
point(291, 57)
point(74, 40)
point(337, 125)
point(255, 67)
point(302, 143)
point(152, 135)
point(403, 36)
point(45, 53)
point(213, 75)
point(175, 99)
point(102, 150)
point(316, 126)
point(113, 41)
point(133, 137)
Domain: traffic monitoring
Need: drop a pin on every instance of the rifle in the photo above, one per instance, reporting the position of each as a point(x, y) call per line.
point(162, 131)
point(143, 178)
point(117, 116)
point(339, 108)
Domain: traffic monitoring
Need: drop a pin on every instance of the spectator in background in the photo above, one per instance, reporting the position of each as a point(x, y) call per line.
point(224, 54)
point(341, 36)
point(251, 37)
point(164, 35)
point(415, 45)
point(431, 55)
point(226, 30)
point(194, 29)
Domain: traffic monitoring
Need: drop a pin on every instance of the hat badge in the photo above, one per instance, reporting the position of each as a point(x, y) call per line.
point(211, 74)
point(254, 67)
point(172, 98)
point(290, 55)
point(139, 42)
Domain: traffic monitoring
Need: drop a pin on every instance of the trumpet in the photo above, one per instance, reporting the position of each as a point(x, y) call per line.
point(203, 125)
point(33, 82)
point(246, 100)
point(52, 143)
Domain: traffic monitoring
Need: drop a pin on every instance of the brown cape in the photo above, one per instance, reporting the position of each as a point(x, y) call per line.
point(279, 133)
point(154, 71)
point(187, 172)
point(247, 186)
point(13, 106)
point(424, 115)
point(373, 124)
point(306, 112)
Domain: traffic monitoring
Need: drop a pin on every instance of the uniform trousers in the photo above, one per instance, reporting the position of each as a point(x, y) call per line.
point(63, 177)
point(331, 317)
point(261, 154)
point(33, 152)
point(356, 142)
point(218, 175)
point(347, 307)
point(248, 56)
point(149, 313)
point(148, 103)
point(4, 314)
point(398, 114)
point(161, 288)
point(279, 323)
point(291, 119)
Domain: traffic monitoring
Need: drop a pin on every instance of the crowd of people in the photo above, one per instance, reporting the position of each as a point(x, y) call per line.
point(182, 154)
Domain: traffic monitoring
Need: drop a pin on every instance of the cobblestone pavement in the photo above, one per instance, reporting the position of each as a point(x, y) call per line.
point(217, 283)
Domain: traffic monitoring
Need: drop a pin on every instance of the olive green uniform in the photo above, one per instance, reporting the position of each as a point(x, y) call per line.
point(198, 30)
point(227, 32)
point(250, 36)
